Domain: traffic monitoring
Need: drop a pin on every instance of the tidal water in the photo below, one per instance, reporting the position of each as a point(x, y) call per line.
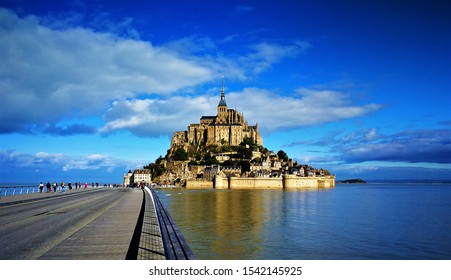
point(367, 221)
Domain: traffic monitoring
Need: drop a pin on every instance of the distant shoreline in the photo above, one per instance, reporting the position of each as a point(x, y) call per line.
point(381, 181)
point(351, 181)
point(36, 184)
point(400, 181)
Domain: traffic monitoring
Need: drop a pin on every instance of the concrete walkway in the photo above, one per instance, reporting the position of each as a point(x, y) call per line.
point(122, 229)
point(151, 243)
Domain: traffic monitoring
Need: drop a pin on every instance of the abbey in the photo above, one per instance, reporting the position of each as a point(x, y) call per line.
point(228, 127)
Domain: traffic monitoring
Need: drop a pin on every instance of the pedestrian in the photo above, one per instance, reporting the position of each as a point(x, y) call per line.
point(62, 186)
point(49, 187)
point(76, 185)
point(69, 186)
point(86, 185)
point(55, 186)
point(142, 185)
point(41, 187)
point(97, 185)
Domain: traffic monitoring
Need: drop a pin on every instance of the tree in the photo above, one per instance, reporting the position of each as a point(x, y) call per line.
point(245, 166)
point(209, 160)
point(193, 162)
point(228, 163)
point(262, 149)
point(156, 169)
point(159, 160)
point(180, 154)
point(250, 143)
point(282, 155)
point(245, 153)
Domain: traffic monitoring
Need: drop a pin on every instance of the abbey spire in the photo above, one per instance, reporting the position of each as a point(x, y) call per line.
point(222, 107)
point(222, 101)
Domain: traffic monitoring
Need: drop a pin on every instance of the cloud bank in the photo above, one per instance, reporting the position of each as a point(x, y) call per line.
point(414, 146)
point(54, 73)
point(306, 107)
point(48, 74)
point(62, 167)
point(432, 146)
point(270, 110)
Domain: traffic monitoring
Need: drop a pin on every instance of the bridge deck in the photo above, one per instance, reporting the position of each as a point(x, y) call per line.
point(137, 227)
point(107, 237)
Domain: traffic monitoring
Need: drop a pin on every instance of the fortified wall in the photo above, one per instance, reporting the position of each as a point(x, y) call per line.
point(287, 181)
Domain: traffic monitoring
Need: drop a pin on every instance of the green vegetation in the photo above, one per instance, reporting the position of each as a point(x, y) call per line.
point(282, 155)
point(241, 155)
point(203, 154)
point(180, 154)
point(157, 168)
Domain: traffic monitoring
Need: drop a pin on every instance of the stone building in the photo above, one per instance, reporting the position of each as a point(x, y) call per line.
point(140, 175)
point(127, 178)
point(227, 127)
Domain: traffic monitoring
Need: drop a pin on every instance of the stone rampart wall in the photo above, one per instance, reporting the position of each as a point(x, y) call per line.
point(199, 184)
point(255, 183)
point(221, 182)
point(285, 182)
point(294, 182)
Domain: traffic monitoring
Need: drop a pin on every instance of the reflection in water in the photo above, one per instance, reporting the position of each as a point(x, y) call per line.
point(237, 224)
point(348, 222)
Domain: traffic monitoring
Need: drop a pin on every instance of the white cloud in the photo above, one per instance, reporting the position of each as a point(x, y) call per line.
point(271, 111)
point(152, 117)
point(371, 135)
point(308, 107)
point(59, 162)
point(42, 166)
point(430, 145)
point(54, 71)
point(191, 45)
point(47, 73)
point(265, 54)
point(48, 76)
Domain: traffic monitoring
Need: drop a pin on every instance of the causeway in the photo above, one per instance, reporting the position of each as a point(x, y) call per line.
point(90, 224)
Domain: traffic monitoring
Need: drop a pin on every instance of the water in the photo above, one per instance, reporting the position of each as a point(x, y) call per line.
point(370, 221)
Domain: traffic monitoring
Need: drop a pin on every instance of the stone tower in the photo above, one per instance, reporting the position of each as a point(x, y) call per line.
point(222, 107)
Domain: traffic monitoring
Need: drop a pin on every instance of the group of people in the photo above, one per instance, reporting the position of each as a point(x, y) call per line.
point(141, 185)
point(53, 187)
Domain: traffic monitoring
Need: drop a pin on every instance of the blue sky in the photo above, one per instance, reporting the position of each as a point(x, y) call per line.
point(91, 89)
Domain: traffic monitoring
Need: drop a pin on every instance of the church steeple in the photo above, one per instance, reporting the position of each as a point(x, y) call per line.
point(222, 107)
point(222, 102)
